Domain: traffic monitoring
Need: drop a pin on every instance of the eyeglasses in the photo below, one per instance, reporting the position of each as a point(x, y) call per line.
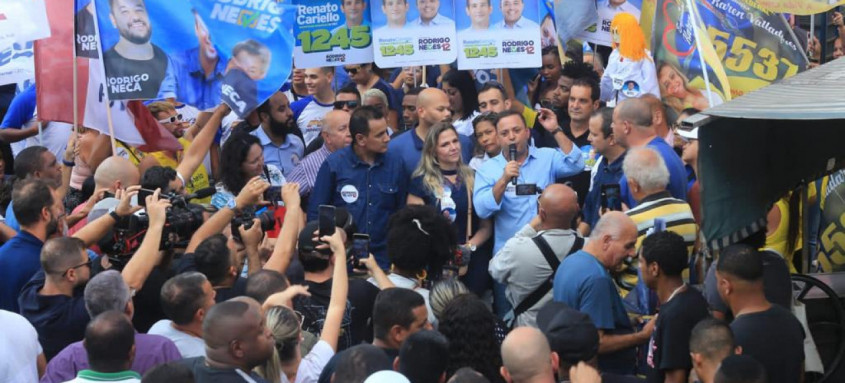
point(348, 104)
point(176, 118)
point(88, 264)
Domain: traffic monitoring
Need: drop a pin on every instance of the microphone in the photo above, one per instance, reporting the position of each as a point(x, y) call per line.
point(202, 193)
point(512, 152)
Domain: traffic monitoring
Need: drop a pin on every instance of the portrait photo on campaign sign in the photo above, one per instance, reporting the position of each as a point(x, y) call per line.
point(200, 52)
point(413, 32)
point(332, 32)
point(498, 33)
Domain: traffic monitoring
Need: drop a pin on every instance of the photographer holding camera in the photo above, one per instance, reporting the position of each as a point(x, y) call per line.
point(220, 256)
point(507, 186)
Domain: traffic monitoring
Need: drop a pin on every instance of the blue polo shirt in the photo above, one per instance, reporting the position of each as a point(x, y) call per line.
point(371, 194)
point(605, 174)
point(59, 319)
point(408, 146)
point(285, 156)
point(192, 87)
point(542, 167)
point(11, 220)
point(20, 259)
point(583, 283)
point(677, 173)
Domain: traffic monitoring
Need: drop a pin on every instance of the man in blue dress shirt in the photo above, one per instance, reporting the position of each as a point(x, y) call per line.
point(495, 193)
point(365, 178)
point(432, 108)
point(280, 138)
point(632, 128)
point(199, 71)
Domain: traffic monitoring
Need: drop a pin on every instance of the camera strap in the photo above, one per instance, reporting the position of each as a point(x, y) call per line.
point(546, 286)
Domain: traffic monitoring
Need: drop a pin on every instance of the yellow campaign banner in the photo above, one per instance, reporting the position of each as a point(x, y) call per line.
point(798, 7)
point(710, 51)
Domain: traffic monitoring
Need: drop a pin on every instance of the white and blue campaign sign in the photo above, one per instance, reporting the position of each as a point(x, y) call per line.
point(17, 63)
point(200, 52)
point(599, 31)
point(413, 32)
point(498, 34)
point(332, 32)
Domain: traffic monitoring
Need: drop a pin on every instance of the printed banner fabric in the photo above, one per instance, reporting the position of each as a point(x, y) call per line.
point(498, 34)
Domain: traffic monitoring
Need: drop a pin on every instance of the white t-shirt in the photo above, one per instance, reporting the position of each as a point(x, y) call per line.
point(408, 283)
point(309, 115)
point(189, 346)
point(312, 364)
point(465, 126)
point(54, 137)
point(19, 349)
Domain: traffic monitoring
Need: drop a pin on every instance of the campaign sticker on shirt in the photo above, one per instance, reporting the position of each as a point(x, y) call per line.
point(510, 189)
point(447, 204)
point(618, 82)
point(349, 193)
point(631, 89)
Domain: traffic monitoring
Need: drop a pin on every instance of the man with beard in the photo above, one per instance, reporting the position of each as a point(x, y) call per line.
point(280, 138)
point(135, 68)
point(199, 71)
point(38, 216)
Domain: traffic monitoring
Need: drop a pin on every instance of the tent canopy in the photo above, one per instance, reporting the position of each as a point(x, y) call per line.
point(756, 148)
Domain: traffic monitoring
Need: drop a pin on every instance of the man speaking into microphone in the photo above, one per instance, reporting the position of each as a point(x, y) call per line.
point(507, 186)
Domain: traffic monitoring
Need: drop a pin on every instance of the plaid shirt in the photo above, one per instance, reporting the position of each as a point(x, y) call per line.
point(306, 172)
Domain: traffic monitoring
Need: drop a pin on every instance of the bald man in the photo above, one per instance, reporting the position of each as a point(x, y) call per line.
point(583, 282)
point(633, 127)
point(527, 357)
point(660, 118)
point(432, 107)
point(335, 135)
point(113, 173)
point(527, 263)
point(236, 341)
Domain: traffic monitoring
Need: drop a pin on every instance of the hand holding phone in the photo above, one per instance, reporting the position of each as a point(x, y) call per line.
point(611, 197)
point(327, 220)
point(360, 246)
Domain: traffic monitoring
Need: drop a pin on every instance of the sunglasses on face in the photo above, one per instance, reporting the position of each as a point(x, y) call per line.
point(352, 71)
point(88, 264)
point(176, 118)
point(348, 104)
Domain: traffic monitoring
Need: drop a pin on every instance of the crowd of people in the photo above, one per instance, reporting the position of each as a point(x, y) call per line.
point(474, 237)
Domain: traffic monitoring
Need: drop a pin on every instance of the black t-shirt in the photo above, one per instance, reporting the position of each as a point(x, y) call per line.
point(355, 327)
point(775, 339)
point(205, 374)
point(579, 182)
point(134, 79)
point(236, 290)
point(669, 344)
point(147, 300)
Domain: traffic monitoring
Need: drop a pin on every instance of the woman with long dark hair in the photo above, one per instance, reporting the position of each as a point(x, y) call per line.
point(463, 99)
point(443, 181)
point(240, 160)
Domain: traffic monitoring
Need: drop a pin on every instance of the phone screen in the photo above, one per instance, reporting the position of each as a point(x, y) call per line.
point(142, 196)
point(361, 246)
point(611, 197)
point(327, 223)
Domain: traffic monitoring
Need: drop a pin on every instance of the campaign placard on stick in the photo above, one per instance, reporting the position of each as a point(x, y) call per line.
point(498, 34)
point(599, 31)
point(332, 32)
point(413, 32)
point(201, 52)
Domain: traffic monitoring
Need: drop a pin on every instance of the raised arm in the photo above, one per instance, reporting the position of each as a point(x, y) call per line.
point(148, 255)
point(250, 195)
point(201, 144)
point(340, 289)
point(93, 231)
point(286, 243)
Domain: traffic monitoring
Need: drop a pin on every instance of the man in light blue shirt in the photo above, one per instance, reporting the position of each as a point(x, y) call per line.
point(495, 194)
point(430, 16)
point(283, 147)
point(512, 16)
